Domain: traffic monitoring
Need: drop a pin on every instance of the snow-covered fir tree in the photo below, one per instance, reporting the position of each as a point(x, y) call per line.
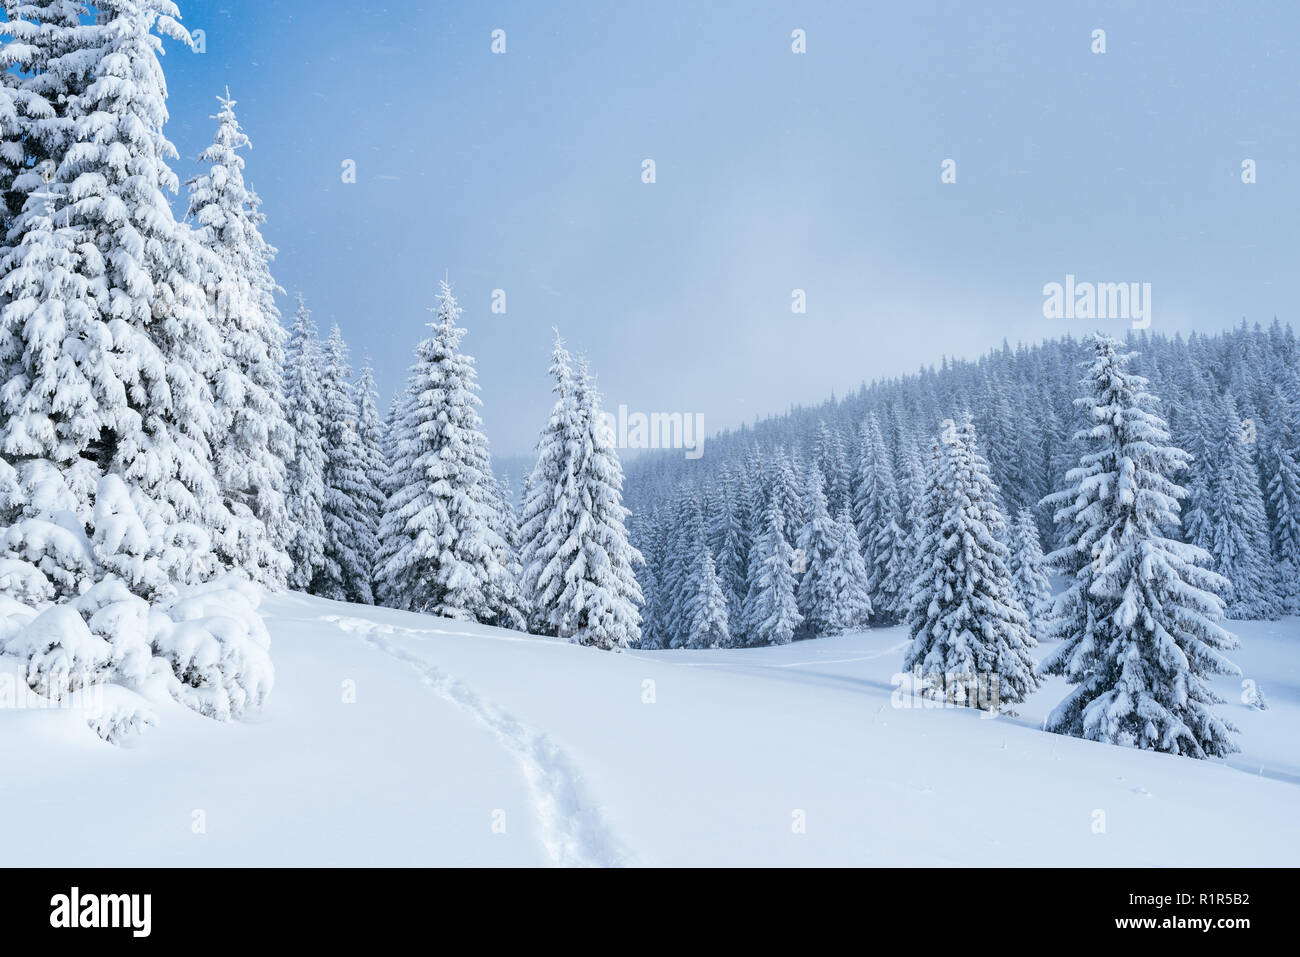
point(250, 458)
point(1236, 525)
point(109, 498)
point(845, 577)
point(706, 607)
point(42, 40)
point(370, 500)
point(771, 607)
point(305, 474)
point(507, 600)
point(345, 570)
point(578, 562)
point(600, 604)
point(1027, 570)
point(1283, 491)
point(440, 553)
point(1138, 622)
point(550, 500)
point(969, 631)
point(731, 539)
point(816, 544)
point(879, 526)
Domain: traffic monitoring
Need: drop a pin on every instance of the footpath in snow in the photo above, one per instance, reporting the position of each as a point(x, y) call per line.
point(398, 739)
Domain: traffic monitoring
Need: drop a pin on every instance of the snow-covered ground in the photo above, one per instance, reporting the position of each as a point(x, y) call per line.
point(469, 745)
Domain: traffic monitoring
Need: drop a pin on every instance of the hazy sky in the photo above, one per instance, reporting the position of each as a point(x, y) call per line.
point(775, 171)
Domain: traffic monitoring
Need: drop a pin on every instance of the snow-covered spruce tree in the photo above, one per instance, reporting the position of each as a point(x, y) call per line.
point(833, 465)
point(441, 554)
point(816, 543)
point(506, 598)
point(1032, 585)
point(370, 499)
point(550, 500)
point(728, 530)
point(250, 456)
point(879, 527)
point(1237, 524)
point(970, 635)
point(687, 529)
point(400, 452)
point(1138, 622)
point(706, 607)
point(110, 495)
point(845, 577)
point(574, 550)
point(39, 78)
point(784, 490)
point(305, 475)
point(600, 603)
point(771, 608)
point(1283, 488)
point(114, 178)
point(344, 574)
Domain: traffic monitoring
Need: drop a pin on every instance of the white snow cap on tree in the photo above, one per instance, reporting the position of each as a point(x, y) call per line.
point(970, 635)
point(1138, 623)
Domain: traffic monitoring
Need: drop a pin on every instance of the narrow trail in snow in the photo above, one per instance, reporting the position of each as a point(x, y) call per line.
point(572, 828)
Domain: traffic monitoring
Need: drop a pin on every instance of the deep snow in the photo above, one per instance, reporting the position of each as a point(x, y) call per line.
point(471, 745)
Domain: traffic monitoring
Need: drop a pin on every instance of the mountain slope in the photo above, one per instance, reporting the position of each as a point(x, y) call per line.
point(471, 745)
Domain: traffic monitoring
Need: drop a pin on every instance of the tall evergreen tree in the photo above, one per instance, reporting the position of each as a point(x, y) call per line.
point(505, 598)
point(732, 542)
point(250, 459)
point(1284, 501)
point(1237, 525)
point(345, 573)
point(1031, 582)
point(550, 502)
point(305, 475)
point(1138, 620)
point(845, 578)
point(816, 544)
point(444, 557)
point(370, 499)
point(107, 351)
point(706, 608)
point(967, 625)
point(770, 604)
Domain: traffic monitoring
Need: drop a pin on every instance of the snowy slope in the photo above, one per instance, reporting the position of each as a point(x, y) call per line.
point(469, 745)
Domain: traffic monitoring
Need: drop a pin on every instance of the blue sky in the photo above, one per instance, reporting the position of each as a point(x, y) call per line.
point(775, 171)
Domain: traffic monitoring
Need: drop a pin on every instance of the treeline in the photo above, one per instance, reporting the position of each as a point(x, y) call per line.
point(1231, 400)
point(408, 513)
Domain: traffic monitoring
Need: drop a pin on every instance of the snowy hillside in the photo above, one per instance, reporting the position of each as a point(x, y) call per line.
point(472, 745)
